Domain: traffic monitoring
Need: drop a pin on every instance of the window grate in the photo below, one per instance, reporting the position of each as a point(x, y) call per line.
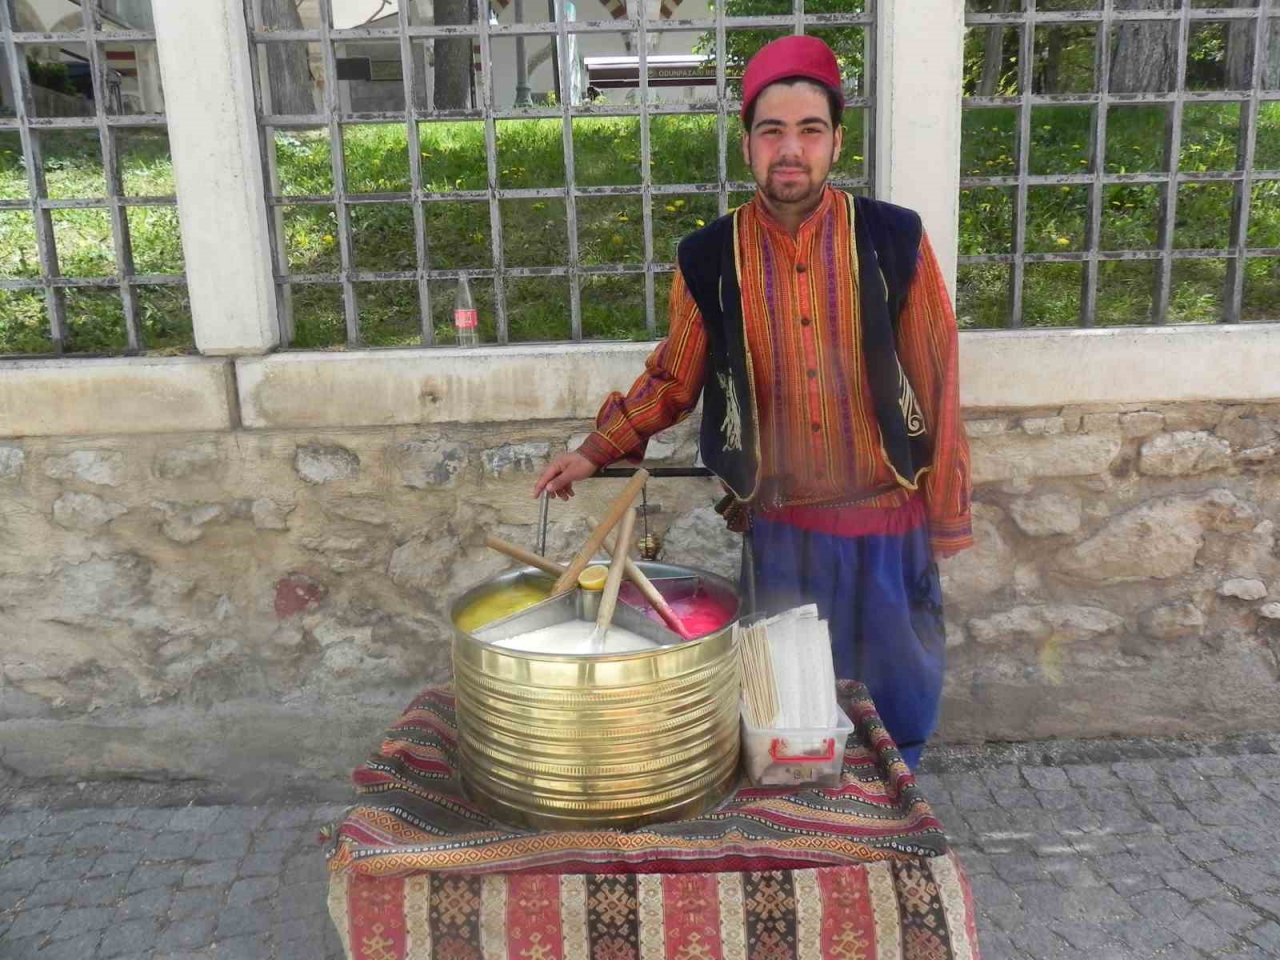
point(1147, 242)
point(93, 302)
point(567, 260)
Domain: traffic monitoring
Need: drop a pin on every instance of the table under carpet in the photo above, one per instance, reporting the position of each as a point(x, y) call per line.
point(856, 872)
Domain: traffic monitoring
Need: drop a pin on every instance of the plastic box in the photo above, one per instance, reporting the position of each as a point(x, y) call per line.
point(788, 757)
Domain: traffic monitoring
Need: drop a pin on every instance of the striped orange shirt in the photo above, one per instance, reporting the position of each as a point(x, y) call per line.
point(819, 438)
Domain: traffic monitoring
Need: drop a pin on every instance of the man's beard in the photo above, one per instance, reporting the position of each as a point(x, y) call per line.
point(792, 191)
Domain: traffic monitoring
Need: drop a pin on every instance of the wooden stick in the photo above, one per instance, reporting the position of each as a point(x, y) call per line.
point(524, 556)
point(569, 579)
point(609, 599)
point(655, 597)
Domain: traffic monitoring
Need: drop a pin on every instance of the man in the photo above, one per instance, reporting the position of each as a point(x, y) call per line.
point(817, 330)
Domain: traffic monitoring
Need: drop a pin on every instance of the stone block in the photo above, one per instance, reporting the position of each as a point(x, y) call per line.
point(184, 523)
point(1008, 455)
point(104, 468)
point(1154, 541)
point(431, 462)
point(1046, 515)
point(700, 538)
point(1043, 426)
point(1183, 453)
point(268, 514)
point(202, 458)
point(1269, 611)
point(984, 568)
point(1142, 423)
point(1242, 588)
point(1173, 620)
point(85, 512)
point(320, 463)
point(515, 458)
point(1040, 622)
point(12, 460)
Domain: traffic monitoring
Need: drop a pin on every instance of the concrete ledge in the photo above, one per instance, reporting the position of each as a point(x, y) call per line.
point(999, 369)
point(72, 397)
point(1049, 368)
point(441, 385)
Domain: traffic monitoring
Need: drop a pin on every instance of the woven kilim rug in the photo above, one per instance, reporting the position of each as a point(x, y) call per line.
point(855, 872)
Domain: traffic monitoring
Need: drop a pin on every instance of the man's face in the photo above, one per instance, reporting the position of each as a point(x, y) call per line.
point(791, 145)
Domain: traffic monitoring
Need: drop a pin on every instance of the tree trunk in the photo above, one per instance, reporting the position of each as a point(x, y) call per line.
point(292, 88)
point(1240, 51)
point(993, 54)
point(1145, 54)
point(452, 57)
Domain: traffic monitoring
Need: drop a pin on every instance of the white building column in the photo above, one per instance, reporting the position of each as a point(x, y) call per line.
point(919, 71)
point(208, 86)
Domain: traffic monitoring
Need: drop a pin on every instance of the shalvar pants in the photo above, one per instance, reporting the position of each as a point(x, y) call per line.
point(880, 596)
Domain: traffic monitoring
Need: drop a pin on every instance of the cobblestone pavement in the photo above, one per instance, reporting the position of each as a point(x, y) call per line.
point(1133, 849)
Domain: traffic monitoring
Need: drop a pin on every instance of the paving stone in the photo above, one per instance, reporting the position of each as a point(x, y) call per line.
point(248, 947)
point(21, 823)
point(189, 819)
point(80, 920)
point(1046, 778)
point(290, 817)
point(1165, 906)
point(201, 902)
point(1193, 883)
point(234, 921)
point(1134, 883)
point(1156, 853)
point(1135, 771)
point(186, 934)
point(98, 892)
point(1215, 766)
point(218, 873)
point(229, 845)
point(173, 846)
point(114, 864)
point(268, 863)
point(1091, 775)
point(1199, 931)
point(1267, 936)
point(1268, 903)
point(310, 899)
point(1041, 943)
point(129, 938)
point(281, 839)
point(1229, 915)
point(152, 902)
point(148, 875)
point(1251, 874)
point(72, 948)
point(32, 921)
point(240, 819)
point(1018, 868)
point(250, 889)
point(1202, 847)
point(1143, 932)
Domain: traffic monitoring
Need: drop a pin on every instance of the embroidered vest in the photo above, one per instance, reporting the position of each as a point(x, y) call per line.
point(888, 244)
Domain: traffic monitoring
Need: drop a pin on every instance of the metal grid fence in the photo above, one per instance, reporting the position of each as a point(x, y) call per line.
point(635, 21)
point(107, 307)
point(1255, 28)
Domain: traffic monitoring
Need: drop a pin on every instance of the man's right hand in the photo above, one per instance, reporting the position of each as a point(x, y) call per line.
point(561, 474)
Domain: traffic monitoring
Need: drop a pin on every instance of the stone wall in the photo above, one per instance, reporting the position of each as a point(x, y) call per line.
point(1125, 580)
point(254, 605)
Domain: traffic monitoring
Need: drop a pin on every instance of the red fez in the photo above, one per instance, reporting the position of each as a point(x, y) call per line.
point(792, 57)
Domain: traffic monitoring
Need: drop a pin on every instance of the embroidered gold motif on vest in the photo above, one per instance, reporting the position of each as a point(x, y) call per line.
point(731, 428)
point(910, 406)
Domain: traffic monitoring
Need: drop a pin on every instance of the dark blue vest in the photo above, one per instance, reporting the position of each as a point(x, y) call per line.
point(888, 245)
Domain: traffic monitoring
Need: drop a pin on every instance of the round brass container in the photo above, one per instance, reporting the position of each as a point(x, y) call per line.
point(597, 741)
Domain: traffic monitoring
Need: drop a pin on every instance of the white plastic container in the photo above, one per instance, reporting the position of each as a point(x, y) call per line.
point(790, 757)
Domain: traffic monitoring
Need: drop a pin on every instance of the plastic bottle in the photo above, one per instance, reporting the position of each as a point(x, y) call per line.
point(465, 320)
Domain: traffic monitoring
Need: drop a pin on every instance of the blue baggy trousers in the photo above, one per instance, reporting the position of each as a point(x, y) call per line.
point(881, 598)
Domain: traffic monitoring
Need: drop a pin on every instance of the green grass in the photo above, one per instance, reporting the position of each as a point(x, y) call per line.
point(610, 229)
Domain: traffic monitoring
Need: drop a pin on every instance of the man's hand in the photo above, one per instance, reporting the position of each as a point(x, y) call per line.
point(561, 474)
